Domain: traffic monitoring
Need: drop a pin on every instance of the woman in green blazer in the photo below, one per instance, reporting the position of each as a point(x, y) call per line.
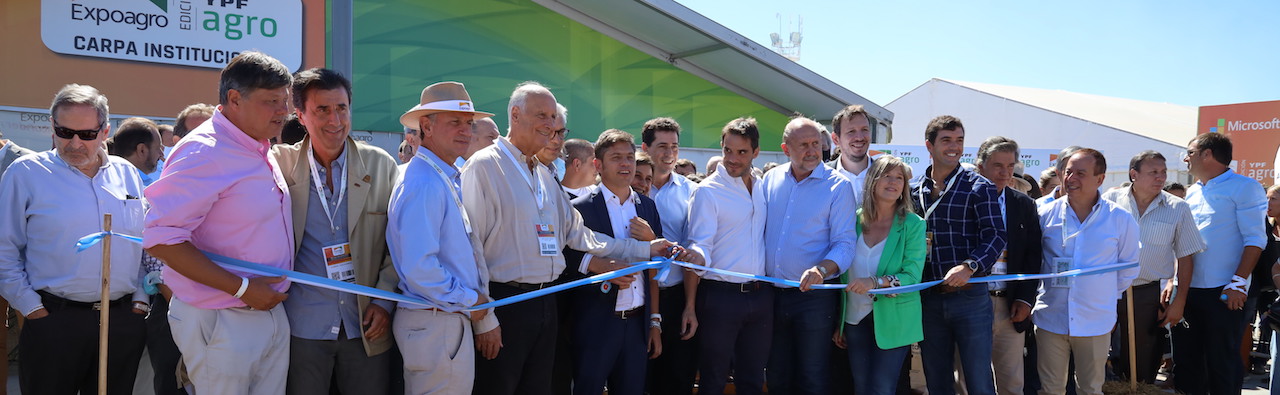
point(878, 330)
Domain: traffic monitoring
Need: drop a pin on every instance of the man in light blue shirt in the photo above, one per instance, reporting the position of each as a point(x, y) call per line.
point(434, 251)
point(49, 200)
point(1075, 315)
point(1230, 210)
point(673, 371)
point(808, 232)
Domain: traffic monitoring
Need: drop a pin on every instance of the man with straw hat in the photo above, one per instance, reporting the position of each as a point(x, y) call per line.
point(433, 248)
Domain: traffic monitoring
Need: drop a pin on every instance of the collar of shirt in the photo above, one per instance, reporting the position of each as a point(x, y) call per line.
point(819, 173)
point(449, 171)
point(675, 180)
point(338, 165)
point(721, 176)
point(927, 180)
point(1226, 175)
point(103, 160)
point(851, 175)
point(578, 191)
point(239, 137)
point(612, 198)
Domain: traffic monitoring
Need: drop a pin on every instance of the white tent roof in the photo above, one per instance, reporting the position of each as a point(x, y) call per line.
point(1170, 123)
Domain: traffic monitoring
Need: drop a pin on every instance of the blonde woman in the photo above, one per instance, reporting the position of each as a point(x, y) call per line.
point(878, 330)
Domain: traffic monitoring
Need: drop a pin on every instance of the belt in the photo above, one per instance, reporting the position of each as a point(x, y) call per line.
point(1157, 282)
point(527, 286)
point(628, 313)
point(51, 301)
point(945, 289)
point(999, 293)
point(750, 286)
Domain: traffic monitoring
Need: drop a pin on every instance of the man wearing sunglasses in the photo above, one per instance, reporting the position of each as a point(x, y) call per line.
point(222, 193)
point(45, 206)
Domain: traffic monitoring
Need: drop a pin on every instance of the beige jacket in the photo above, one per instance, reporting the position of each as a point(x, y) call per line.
point(371, 175)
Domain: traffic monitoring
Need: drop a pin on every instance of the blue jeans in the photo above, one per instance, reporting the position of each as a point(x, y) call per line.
point(954, 321)
point(875, 370)
point(802, 326)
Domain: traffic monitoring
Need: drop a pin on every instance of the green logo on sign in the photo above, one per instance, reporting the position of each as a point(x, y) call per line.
point(163, 4)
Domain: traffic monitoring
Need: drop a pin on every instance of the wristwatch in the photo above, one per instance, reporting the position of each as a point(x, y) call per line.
point(972, 265)
point(142, 307)
point(822, 270)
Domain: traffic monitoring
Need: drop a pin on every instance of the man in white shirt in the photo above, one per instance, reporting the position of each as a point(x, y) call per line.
point(1074, 315)
point(853, 136)
point(673, 371)
point(726, 225)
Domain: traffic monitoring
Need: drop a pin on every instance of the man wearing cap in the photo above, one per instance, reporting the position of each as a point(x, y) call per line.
point(223, 193)
point(522, 222)
point(333, 181)
point(435, 252)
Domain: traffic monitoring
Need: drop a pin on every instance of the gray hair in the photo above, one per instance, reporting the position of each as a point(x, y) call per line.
point(996, 144)
point(1064, 155)
point(563, 113)
point(519, 95)
point(76, 94)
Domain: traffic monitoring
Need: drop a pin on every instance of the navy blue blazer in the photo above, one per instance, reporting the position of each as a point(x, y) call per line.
point(595, 215)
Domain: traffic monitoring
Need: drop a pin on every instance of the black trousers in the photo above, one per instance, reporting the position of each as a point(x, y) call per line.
point(58, 354)
point(529, 330)
point(673, 372)
point(737, 332)
point(1206, 353)
point(1146, 310)
point(162, 351)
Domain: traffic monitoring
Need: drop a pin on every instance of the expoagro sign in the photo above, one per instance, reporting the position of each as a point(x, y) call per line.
point(1254, 129)
point(202, 33)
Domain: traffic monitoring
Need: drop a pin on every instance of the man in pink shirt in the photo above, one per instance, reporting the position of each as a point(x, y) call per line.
point(221, 192)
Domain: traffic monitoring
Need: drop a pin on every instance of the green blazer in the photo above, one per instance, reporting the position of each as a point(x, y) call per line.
point(898, 318)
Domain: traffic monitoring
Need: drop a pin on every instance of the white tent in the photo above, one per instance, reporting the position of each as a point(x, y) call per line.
point(1051, 119)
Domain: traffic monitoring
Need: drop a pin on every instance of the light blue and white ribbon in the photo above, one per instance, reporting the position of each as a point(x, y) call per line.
point(664, 266)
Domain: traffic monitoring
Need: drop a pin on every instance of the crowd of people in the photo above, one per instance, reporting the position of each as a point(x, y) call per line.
point(467, 216)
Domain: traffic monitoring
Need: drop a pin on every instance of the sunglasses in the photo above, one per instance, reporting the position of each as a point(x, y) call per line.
point(68, 133)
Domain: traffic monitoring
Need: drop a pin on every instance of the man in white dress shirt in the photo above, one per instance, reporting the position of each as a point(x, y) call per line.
point(726, 225)
point(1074, 315)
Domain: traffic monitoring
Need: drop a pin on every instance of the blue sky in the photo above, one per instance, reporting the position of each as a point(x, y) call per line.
point(1182, 52)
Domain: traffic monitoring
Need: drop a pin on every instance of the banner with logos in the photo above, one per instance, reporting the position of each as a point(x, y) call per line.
point(1034, 160)
point(1254, 129)
point(201, 33)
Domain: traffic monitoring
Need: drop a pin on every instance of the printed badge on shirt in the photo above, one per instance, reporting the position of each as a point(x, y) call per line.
point(1061, 265)
point(337, 263)
point(547, 244)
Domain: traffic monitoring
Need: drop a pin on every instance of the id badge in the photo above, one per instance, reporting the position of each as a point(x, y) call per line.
point(928, 246)
point(1002, 264)
point(1061, 265)
point(547, 245)
point(337, 263)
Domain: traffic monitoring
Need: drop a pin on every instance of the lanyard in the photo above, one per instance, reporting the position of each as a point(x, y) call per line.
point(940, 196)
point(453, 191)
point(1066, 205)
point(319, 185)
point(539, 189)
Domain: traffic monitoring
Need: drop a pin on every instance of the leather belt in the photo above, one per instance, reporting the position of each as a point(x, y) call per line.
point(52, 302)
point(527, 286)
point(750, 286)
point(1000, 293)
point(629, 313)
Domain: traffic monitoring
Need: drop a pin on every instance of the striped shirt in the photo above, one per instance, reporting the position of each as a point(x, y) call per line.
point(1168, 232)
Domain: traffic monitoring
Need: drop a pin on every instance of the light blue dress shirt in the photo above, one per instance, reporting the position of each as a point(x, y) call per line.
point(807, 221)
point(428, 240)
point(317, 313)
point(1231, 212)
point(672, 200)
point(45, 206)
point(1086, 306)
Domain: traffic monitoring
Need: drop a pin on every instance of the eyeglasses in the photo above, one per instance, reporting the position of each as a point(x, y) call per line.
point(68, 133)
point(1189, 154)
point(562, 132)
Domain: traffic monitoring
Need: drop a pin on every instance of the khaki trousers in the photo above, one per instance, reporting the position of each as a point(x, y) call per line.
point(1055, 351)
point(234, 350)
point(439, 351)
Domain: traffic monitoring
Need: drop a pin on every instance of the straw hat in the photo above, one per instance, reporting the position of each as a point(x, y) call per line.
point(441, 97)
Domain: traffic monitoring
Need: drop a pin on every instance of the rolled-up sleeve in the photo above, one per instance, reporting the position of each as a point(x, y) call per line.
point(180, 199)
point(1251, 214)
